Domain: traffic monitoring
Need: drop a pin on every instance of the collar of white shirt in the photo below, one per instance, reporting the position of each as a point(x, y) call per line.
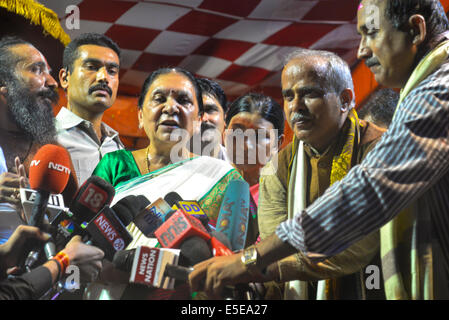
point(66, 119)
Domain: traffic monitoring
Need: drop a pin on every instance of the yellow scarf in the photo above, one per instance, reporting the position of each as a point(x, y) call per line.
point(341, 164)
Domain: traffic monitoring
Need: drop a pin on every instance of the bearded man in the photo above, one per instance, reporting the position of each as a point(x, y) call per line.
point(27, 95)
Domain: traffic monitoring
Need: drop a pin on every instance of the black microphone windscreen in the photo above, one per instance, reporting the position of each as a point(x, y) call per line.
point(127, 208)
point(123, 213)
point(172, 198)
point(123, 259)
point(193, 251)
point(142, 201)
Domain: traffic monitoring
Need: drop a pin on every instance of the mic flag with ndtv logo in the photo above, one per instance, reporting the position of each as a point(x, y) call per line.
point(50, 169)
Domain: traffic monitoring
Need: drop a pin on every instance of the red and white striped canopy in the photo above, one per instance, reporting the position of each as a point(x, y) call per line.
point(239, 43)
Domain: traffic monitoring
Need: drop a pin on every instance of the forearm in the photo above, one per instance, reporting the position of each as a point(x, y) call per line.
point(353, 259)
point(271, 250)
point(29, 286)
point(403, 165)
point(52, 267)
point(3, 266)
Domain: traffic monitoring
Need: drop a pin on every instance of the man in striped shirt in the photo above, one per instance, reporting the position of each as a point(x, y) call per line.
point(402, 185)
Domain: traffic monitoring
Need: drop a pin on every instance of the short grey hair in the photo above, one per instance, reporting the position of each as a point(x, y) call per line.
point(338, 75)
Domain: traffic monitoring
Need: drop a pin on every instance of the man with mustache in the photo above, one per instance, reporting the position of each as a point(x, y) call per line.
point(328, 140)
point(401, 186)
point(212, 120)
point(90, 77)
point(27, 95)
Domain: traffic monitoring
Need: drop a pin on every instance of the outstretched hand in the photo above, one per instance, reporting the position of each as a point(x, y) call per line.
point(213, 275)
point(88, 258)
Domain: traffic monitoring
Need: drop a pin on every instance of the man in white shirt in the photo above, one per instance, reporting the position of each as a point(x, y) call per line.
point(90, 77)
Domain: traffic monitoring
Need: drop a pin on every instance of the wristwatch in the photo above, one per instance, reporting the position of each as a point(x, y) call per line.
point(249, 260)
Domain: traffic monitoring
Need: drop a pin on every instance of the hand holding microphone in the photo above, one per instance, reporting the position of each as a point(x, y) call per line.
point(49, 173)
point(88, 258)
point(18, 245)
point(34, 284)
point(98, 223)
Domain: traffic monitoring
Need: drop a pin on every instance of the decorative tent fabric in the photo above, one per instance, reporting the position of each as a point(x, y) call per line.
point(38, 14)
point(240, 44)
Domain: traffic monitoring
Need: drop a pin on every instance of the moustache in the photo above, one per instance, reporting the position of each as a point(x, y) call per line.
point(50, 94)
point(206, 126)
point(100, 86)
point(300, 116)
point(371, 62)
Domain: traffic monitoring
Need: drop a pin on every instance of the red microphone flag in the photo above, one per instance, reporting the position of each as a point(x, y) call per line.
point(179, 227)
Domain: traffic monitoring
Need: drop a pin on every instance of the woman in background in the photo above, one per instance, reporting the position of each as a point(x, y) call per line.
point(254, 133)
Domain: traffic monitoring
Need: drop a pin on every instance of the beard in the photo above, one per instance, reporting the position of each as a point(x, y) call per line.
point(33, 112)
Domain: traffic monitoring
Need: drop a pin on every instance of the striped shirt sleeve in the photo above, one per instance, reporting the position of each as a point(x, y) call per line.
point(411, 157)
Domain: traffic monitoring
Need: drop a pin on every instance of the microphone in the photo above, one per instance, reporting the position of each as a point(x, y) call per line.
point(191, 207)
point(192, 251)
point(54, 205)
point(91, 217)
point(107, 230)
point(234, 212)
point(179, 227)
point(147, 265)
point(152, 216)
point(49, 173)
point(94, 194)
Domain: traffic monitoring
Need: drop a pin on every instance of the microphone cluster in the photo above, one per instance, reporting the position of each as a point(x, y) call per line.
point(182, 228)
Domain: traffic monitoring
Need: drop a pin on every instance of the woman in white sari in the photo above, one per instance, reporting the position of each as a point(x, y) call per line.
point(170, 106)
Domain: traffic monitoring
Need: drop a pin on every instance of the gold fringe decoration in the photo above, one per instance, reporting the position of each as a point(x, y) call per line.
point(38, 14)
